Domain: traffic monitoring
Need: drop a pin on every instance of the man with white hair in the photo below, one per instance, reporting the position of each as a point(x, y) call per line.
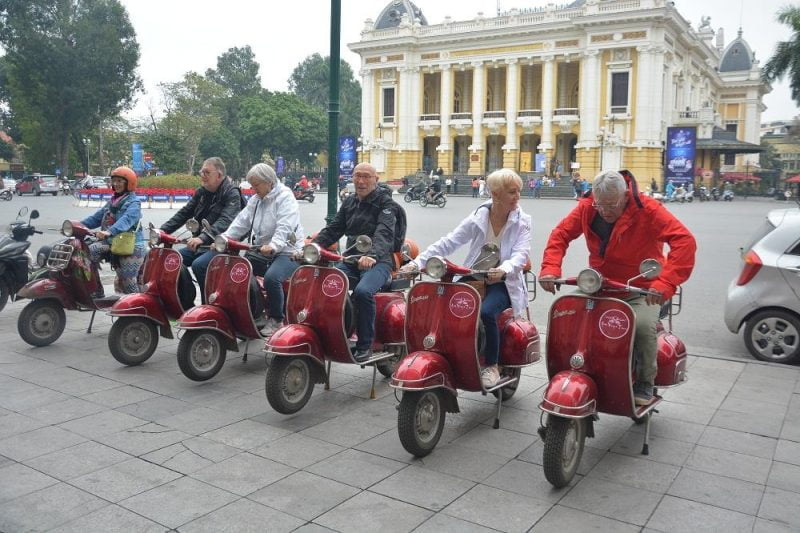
point(622, 228)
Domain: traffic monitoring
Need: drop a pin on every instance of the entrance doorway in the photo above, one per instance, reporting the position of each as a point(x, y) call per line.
point(461, 154)
point(494, 152)
point(430, 157)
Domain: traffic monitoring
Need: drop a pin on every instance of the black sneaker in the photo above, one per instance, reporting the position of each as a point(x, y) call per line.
point(642, 393)
point(362, 355)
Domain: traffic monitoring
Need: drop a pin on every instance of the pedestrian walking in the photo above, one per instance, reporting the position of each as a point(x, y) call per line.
point(475, 187)
point(531, 187)
point(455, 185)
point(482, 188)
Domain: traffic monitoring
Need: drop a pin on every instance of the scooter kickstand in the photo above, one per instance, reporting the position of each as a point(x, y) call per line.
point(372, 394)
point(246, 345)
point(91, 321)
point(496, 424)
point(646, 445)
point(328, 376)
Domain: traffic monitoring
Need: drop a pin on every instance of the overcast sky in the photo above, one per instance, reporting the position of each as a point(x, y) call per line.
point(177, 36)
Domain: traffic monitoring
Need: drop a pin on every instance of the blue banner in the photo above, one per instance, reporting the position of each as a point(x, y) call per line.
point(347, 156)
point(280, 166)
point(540, 163)
point(679, 162)
point(138, 158)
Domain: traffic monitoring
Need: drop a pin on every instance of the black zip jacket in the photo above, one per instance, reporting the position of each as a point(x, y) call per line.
point(219, 208)
point(374, 216)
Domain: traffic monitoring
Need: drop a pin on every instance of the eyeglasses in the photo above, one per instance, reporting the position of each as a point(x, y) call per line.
point(207, 173)
point(607, 207)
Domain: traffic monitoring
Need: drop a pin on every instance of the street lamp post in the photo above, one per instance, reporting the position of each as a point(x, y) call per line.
point(86, 143)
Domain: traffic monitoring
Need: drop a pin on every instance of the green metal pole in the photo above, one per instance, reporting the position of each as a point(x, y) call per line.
point(333, 110)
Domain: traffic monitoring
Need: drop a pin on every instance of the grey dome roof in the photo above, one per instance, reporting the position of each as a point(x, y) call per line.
point(737, 56)
point(392, 13)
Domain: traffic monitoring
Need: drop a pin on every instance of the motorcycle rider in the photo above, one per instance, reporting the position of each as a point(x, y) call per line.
point(370, 211)
point(622, 228)
point(217, 200)
point(434, 189)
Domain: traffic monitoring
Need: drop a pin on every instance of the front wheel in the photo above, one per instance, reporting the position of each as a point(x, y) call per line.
point(423, 200)
point(41, 322)
point(563, 448)
point(201, 354)
point(441, 201)
point(773, 336)
point(288, 384)
point(132, 340)
point(310, 198)
point(420, 421)
point(509, 390)
point(408, 198)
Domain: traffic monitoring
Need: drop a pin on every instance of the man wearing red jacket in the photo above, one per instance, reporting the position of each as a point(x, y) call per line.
point(622, 228)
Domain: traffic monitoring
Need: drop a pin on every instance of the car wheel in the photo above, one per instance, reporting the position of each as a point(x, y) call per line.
point(773, 335)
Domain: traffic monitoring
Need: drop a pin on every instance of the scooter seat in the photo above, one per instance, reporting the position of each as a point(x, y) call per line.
point(107, 301)
point(397, 284)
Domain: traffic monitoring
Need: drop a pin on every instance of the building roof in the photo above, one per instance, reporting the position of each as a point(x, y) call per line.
point(737, 56)
point(392, 14)
point(726, 142)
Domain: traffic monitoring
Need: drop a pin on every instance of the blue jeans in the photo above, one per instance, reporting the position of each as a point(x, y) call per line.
point(495, 302)
point(281, 268)
point(199, 263)
point(365, 284)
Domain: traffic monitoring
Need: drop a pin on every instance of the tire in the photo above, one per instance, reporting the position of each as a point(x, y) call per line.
point(310, 199)
point(441, 201)
point(288, 384)
point(509, 391)
point(132, 340)
point(420, 421)
point(387, 366)
point(41, 322)
point(408, 198)
point(773, 335)
point(563, 448)
point(201, 354)
point(5, 292)
point(423, 201)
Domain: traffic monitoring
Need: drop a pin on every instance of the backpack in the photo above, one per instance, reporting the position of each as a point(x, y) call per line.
point(400, 221)
point(242, 198)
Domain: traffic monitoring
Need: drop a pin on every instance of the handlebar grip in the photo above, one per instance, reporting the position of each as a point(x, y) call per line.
point(39, 232)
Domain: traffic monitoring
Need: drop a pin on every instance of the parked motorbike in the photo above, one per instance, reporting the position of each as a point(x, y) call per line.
point(139, 317)
point(715, 194)
point(6, 194)
point(703, 194)
point(321, 322)
point(15, 260)
point(304, 194)
point(727, 195)
point(444, 337)
point(439, 199)
point(591, 368)
point(72, 282)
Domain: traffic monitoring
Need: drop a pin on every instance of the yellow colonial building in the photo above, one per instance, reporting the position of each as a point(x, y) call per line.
point(590, 85)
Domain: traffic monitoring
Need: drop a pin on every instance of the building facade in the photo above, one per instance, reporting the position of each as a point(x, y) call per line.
point(590, 85)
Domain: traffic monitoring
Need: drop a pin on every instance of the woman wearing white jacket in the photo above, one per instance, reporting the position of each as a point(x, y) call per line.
point(271, 217)
point(502, 222)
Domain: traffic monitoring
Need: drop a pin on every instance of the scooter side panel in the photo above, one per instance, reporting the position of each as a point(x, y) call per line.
point(139, 304)
point(602, 330)
point(48, 288)
point(443, 318)
point(671, 360)
point(162, 267)
point(295, 339)
point(519, 340)
point(423, 370)
point(227, 286)
point(316, 299)
point(390, 317)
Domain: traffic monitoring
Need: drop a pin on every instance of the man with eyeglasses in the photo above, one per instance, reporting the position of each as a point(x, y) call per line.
point(218, 201)
point(622, 228)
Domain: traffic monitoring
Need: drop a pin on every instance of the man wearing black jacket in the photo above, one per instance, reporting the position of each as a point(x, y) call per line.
point(216, 200)
point(370, 211)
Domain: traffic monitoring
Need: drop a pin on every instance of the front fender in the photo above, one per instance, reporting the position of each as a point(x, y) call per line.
point(209, 317)
point(423, 370)
point(570, 394)
point(139, 304)
point(48, 288)
point(294, 340)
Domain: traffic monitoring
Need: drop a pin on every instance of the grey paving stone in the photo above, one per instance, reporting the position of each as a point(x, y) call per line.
point(668, 451)
point(104, 423)
point(19, 480)
point(526, 479)
point(373, 512)
point(498, 441)
point(675, 514)
point(125, 479)
point(781, 372)
point(750, 407)
point(246, 434)
point(313, 528)
point(760, 424)
point(497, 509)
point(37, 442)
point(729, 464)
point(561, 518)
point(155, 409)
point(685, 412)
point(461, 461)
point(243, 516)
point(784, 476)
point(774, 391)
point(200, 420)
point(304, 495)
point(516, 420)
point(243, 473)
point(15, 423)
point(85, 385)
point(297, 450)
point(441, 523)
point(425, 488)
point(47, 508)
point(768, 526)
point(143, 439)
point(737, 441)
point(388, 445)
point(356, 468)
point(30, 398)
point(110, 519)
point(669, 428)
point(788, 451)
point(178, 502)
point(719, 491)
point(191, 454)
point(347, 430)
point(58, 412)
point(780, 506)
point(247, 405)
point(119, 396)
point(791, 430)
point(612, 500)
point(77, 460)
point(635, 472)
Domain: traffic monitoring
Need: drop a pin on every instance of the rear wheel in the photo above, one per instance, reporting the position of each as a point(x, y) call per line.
point(509, 390)
point(773, 335)
point(420, 421)
point(201, 354)
point(423, 200)
point(41, 322)
point(387, 366)
point(132, 340)
point(563, 448)
point(288, 384)
point(441, 201)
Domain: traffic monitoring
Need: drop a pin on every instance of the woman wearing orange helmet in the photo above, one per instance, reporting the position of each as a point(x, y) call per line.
point(122, 213)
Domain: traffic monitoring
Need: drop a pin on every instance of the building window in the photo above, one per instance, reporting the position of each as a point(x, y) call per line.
point(388, 104)
point(619, 92)
point(457, 101)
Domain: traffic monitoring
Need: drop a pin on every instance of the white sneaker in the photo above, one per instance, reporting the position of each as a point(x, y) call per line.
point(271, 327)
point(490, 376)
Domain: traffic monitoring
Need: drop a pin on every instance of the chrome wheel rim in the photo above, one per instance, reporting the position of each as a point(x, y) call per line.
point(295, 381)
point(775, 338)
point(205, 351)
point(135, 339)
point(43, 322)
point(570, 451)
point(427, 417)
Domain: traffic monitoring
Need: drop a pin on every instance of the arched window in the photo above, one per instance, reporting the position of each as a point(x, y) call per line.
point(457, 103)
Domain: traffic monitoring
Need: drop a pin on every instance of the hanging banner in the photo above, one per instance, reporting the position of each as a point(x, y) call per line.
point(541, 163)
point(138, 158)
point(280, 165)
point(347, 156)
point(679, 162)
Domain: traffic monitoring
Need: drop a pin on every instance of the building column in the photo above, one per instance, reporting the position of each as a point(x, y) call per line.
point(590, 99)
point(367, 107)
point(656, 96)
point(445, 109)
point(643, 115)
point(547, 104)
point(510, 148)
point(403, 118)
point(476, 164)
point(415, 107)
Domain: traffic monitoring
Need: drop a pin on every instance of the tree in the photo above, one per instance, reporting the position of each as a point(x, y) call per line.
point(6, 151)
point(237, 71)
point(786, 59)
point(70, 64)
point(221, 143)
point(310, 81)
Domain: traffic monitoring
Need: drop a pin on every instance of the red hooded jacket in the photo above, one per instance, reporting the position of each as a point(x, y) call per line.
point(640, 233)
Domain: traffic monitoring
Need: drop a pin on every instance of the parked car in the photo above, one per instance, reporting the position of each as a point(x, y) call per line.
point(765, 298)
point(94, 182)
point(38, 184)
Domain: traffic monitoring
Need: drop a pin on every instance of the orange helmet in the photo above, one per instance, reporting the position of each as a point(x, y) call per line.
point(128, 175)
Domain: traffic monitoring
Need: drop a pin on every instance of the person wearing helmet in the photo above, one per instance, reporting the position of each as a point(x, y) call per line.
point(122, 213)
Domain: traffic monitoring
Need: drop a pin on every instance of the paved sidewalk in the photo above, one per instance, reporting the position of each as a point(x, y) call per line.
point(89, 445)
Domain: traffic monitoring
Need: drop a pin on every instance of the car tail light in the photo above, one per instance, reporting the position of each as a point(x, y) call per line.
point(752, 264)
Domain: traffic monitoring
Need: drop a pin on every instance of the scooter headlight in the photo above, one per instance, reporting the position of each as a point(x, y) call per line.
point(311, 254)
point(220, 244)
point(436, 268)
point(155, 237)
point(66, 228)
point(589, 281)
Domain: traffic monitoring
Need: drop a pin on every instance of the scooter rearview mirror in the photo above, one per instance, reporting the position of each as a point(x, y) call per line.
point(207, 227)
point(489, 257)
point(34, 214)
point(363, 244)
point(193, 225)
point(650, 268)
point(22, 212)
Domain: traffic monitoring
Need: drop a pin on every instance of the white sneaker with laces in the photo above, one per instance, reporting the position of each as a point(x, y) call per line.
point(271, 327)
point(490, 376)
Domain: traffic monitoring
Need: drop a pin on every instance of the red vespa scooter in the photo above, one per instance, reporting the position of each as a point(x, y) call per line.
point(590, 366)
point(134, 335)
point(321, 321)
point(443, 337)
point(72, 283)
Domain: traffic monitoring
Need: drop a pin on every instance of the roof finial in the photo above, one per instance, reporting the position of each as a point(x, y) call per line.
point(739, 33)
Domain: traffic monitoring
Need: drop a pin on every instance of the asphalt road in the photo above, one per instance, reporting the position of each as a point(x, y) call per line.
point(720, 228)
